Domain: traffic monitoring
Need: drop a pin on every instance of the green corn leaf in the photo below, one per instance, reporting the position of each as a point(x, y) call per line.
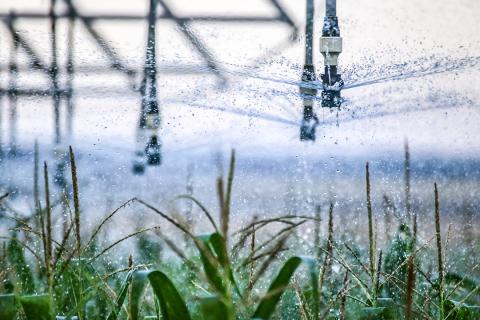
point(268, 303)
point(8, 307)
point(214, 308)
point(392, 309)
point(386, 309)
point(458, 286)
point(461, 311)
point(37, 307)
point(138, 285)
point(217, 243)
point(398, 252)
point(121, 296)
point(22, 270)
point(213, 258)
point(214, 243)
point(80, 291)
point(171, 303)
point(375, 313)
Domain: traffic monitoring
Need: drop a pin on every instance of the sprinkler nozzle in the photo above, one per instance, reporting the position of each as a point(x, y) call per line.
point(139, 161)
point(331, 98)
point(308, 92)
point(138, 167)
point(331, 47)
point(152, 151)
point(309, 124)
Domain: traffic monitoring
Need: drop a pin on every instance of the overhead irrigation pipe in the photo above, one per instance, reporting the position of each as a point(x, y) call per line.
point(331, 47)
point(308, 92)
point(34, 59)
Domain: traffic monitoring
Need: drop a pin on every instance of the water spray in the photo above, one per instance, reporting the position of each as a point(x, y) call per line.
point(331, 47)
point(307, 89)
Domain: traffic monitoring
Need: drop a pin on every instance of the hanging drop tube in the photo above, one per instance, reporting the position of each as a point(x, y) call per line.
point(149, 123)
point(152, 149)
point(307, 89)
point(58, 149)
point(12, 91)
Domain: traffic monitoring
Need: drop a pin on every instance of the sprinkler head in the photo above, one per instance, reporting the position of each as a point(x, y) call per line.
point(331, 79)
point(309, 124)
point(331, 47)
point(139, 163)
point(308, 75)
point(152, 120)
point(331, 98)
point(332, 86)
point(152, 151)
point(307, 90)
point(308, 93)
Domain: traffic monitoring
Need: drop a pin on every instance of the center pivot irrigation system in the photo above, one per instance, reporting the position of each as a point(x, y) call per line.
point(148, 147)
point(148, 142)
point(332, 83)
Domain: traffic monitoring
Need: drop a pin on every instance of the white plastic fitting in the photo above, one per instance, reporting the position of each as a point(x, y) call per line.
point(152, 122)
point(330, 47)
point(308, 102)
